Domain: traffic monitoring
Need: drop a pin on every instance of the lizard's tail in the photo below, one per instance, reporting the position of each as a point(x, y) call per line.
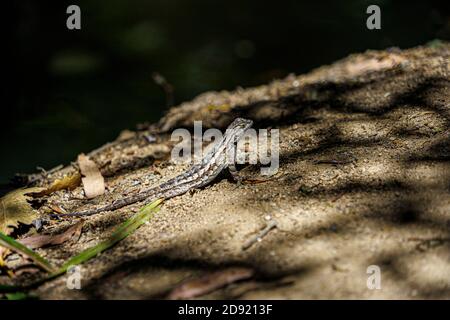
point(110, 207)
point(80, 213)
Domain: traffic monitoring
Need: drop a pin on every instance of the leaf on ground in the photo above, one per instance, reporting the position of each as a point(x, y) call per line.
point(125, 229)
point(93, 181)
point(69, 182)
point(15, 208)
point(12, 244)
point(42, 240)
point(56, 208)
point(3, 253)
point(210, 282)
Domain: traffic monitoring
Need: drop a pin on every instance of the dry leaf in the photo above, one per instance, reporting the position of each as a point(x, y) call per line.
point(3, 253)
point(14, 208)
point(56, 208)
point(210, 282)
point(42, 240)
point(67, 182)
point(93, 181)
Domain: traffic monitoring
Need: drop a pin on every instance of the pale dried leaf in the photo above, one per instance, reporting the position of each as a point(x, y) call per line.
point(3, 253)
point(93, 181)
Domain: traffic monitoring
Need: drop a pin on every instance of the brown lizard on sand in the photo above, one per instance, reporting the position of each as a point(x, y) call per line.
point(197, 176)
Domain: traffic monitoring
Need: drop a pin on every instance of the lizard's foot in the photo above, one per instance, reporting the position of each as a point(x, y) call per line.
point(235, 174)
point(39, 224)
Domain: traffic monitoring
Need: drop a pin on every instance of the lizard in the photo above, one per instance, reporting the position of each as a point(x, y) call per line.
point(197, 176)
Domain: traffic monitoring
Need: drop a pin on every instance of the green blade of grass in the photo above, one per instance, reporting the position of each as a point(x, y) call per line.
point(124, 230)
point(19, 296)
point(12, 244)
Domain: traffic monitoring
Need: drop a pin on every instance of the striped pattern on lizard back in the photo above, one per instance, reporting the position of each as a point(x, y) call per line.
point(198, 175)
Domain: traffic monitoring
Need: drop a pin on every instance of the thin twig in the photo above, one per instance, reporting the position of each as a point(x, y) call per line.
point(258, 237)
point(166, 86)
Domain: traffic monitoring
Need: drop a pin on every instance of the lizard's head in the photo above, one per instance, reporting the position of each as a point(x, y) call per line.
point(237, 128)
point(240, 123)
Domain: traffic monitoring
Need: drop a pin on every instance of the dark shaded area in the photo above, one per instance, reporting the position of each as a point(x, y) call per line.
point(71, 91)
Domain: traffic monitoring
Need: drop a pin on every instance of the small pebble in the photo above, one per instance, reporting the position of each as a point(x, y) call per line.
point(150, 138)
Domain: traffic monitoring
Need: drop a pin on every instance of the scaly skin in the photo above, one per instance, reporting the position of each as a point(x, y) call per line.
point(195, 177)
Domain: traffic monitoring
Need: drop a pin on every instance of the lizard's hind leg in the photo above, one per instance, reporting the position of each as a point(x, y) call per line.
point(235, 173)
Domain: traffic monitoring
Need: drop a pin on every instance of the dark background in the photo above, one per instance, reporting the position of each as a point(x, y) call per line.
point(69, 91)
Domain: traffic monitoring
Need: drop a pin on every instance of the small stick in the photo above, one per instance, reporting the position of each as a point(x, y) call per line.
point(270, 225)
point(166, 86)
point(331, 161)
point(53, 170)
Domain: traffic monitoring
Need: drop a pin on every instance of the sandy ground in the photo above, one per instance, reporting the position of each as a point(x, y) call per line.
point(364, 180)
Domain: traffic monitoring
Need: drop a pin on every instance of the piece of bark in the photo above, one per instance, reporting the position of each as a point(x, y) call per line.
point(42, 240)
point(93, 181)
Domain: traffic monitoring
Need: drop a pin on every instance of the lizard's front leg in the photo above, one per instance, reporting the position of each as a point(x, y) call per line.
point(235, 173)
